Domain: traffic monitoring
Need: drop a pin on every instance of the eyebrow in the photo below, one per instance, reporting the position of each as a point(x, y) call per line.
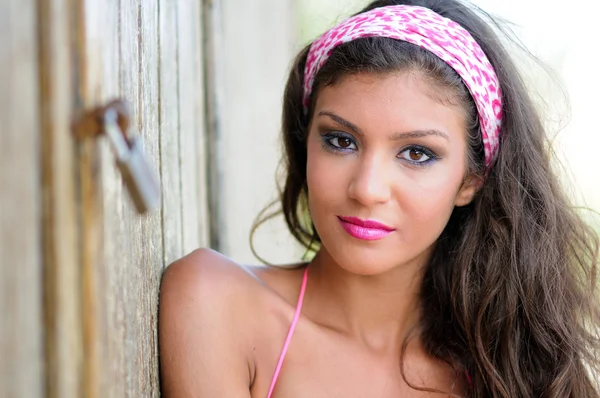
point(396, 136)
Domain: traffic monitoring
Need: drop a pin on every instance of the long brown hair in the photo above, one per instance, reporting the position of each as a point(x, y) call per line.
point(509, 296)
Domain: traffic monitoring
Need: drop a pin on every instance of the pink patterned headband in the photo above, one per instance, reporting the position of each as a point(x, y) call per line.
point(429, 30)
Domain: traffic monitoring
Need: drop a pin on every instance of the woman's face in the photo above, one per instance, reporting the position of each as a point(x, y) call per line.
point(384, 149)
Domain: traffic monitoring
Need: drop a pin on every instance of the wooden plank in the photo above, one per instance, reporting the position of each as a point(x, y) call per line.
point(213, 110)
point(21, 333)
point(170, 163)
point(101, 197)
point(122, 61)
point(62, 306)
point(193, 171)
point(150, 263)
point(202, 147)
point(124, 261)
point(133, 52)
point(253, 82)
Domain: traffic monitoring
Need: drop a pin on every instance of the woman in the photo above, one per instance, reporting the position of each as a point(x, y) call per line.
point(448, 261)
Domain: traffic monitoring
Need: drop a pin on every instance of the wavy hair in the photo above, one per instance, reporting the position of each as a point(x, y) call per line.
point(509, 296)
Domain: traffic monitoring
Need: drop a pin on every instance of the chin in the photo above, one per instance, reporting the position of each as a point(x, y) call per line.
point(374, 257)
point(367, 261)
point(366, 269)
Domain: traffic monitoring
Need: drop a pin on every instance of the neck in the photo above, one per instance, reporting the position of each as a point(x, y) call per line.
point(380, 311)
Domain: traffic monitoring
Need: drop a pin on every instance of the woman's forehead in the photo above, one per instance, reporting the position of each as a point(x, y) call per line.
point(413, 80)
point(400, 100)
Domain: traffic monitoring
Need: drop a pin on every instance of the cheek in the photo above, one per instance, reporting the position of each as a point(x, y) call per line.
point(443, 180)
point(324, 172)
point(429, 210)
point(427, 199)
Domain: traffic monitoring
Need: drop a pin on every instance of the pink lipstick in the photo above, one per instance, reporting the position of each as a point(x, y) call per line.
point(365, 229)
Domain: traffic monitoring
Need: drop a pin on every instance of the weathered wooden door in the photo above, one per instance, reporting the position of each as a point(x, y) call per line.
point(80, 268)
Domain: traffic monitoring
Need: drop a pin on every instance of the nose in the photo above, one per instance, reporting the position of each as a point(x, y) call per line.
point(370, 183)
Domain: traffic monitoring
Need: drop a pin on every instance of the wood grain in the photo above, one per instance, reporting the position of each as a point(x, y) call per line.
point(21, 333)
point(102, 217)
point(128, 49)
point(149, 266)
point(62, 320)
point(80, 270)
point(200, 128)
point(127, 344)
point(170, 154)
point(212, 39)
point(103, 278)
point(190, 120)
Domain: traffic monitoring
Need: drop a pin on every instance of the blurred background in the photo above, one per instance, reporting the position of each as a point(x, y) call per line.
point(561, 69)
point(80, 267)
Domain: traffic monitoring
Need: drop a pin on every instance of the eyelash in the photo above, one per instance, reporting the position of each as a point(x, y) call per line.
point(329, 137)
point(327, 145)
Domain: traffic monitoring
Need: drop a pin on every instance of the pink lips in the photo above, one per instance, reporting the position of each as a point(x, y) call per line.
point(365, 229)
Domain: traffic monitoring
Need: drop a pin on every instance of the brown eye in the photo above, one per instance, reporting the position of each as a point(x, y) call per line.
point(344, 142)
point(415, 154)
point(336, 141)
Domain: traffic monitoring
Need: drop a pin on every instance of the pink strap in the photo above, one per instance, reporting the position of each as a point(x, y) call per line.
point(290, 333)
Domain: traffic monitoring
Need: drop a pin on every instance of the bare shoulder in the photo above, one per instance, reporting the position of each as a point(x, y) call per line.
point(212, 314)
point(206, 272)
point(204, 305)
point(208, 277)
point(209, 286)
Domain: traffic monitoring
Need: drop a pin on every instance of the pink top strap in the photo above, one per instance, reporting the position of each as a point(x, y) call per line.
point(290, 334)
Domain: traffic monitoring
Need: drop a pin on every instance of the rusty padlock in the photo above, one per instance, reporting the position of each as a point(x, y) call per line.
point(138, 177)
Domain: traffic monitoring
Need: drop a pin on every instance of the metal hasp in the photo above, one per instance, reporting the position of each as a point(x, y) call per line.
point(138, 177)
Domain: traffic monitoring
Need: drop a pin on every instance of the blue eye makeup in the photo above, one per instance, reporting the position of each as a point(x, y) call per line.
point(343, 143)
point(336, 141)
point(417, 155)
